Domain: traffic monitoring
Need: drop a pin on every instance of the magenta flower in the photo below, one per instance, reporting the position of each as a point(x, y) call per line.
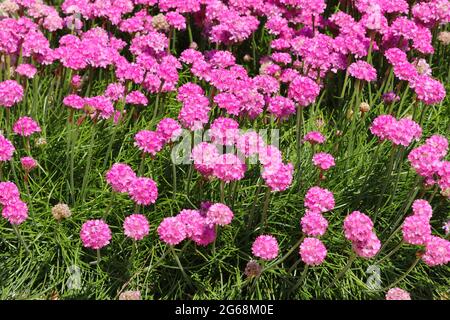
point(9, 193)
point(314, 224)
point(169, 129)
point(219, 214)
point(172, 231)
point(319, 200)
point(136, 98)
point(416, 230)
point(27, 70)
point(26, 126)
point(6, 149)
point(363, 71)
point(437, 251)
point(323, 160)
point(265, 247)
point(224, 131)
point(95, 234)
point(136, 226)
point(120, 177)
point(358, 227)
point(313, 251)
point(205, 156)
point(10, 93)
point(422, 208)
point(278, 176)
point(303, 90)
point(28, 163)
point(149, 141)
point(368, 248)
point(314, 137)
point(15, 212)
point(229, 167)
point(143, 191)
point(74, 101)
point(397, 294)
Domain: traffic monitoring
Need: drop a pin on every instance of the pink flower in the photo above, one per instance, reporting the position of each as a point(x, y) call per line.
point(278, 176)
point(314, 137)
point(115, 91)
point(143, 191)
point(149, 141)
point(422, 208)
point(15, 212)
point(397, 294)
point(362, 70)
point(229, 167)
point(136, 226)
point(250, 143)
point(281, 107)
point(303, 90)
point(207, 237)
point(26, 126)
point(438, 143)
point(74, 101)
point(319, 200)
point(416, 230)
point(6, 149)
point(219, 214)
point(358, 227)
point(381, 126)
point(28, 163)
point(194, 222)
point(313, 251)
point(120, 177)
point(10, 93)
point(205, 156)
point(314, 224)
point(270, 156)
point(323, 160)
point(27, 70)
point(176, 20)
point(137, 98)
point(428, 90)
point(437, 252)
point(9, 193)
point(369, 248)
point(224, 131)
point(172, 231)
point(102, 105)
point(265, 247)
point(169, 129)
point(95, 234)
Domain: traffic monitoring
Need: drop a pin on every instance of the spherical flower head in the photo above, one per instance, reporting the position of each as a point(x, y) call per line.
point(205, 156)
point(15, 212)
point(270, 156)
point(229, 167)
point(437, 252)
point(6, 149)
point(74, 101)
point(224, 131)
point(149, 141)
point(61, 211)
point(143, 191)
point(323, 161)
point(130, 295)
point(10, 93)
point(172, 231)
point(28, 163)
point(363, 71)
point(194, 222)
point(313, 224)
point(381, 126)
point(314, 137)
point(303, 90)
point(253, 269)
point(404, 131)
point(428, 90)
point(369, 248)
point(76, 81)
point(207, 236)
point(250, 143)
point(422, 208)
point(358, 227)
point(115, 91)
point(397, 294)
point(26, 126)
point(439, 143)
point(26, 70)
point(278, 176)
point(169, 129)
point(416, 230)
point(136, 226)
point(137, 98)
point(265, 247)
point(281, 107)
point(95, 234)
point(120, 177)
point(9, 193)
point(219, 214)
point(444, 37)
point(319, 200)
point(312, 251)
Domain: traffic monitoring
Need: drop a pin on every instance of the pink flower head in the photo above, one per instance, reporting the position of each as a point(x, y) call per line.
point(74, 101)
point(28, 163)
point(323, 160)
point(422, 208)
point(369, 248)
point(397, 294)
point(313, 251)
point(6, 149)
point(26, 126)
point(15, 212)
point(229, 167)
point(120, 177)
point(207, 237)
point(270, 156)
point(281, 107)
point(205, 156)
point(148, 141)
point(362, 70)
point(404, 131)
point(193, 221)
point(76, 81)
point(102, 105)
point(27, 70)
point(358, 227)
point(428, 90)
point(303, 90)
point(278, 176)
point(143, 191)
point(425, 160)
point(265, 247)
point(416, 230)
point(136, 226)
point(172, 231)
point(250, 143)
point(314, 137)
point(319, 200)
point(219, 214)
point(137, 98)
point(10, 93)
point(313, 224)
point(381, 126)
point(169, 129)
point(9, 193)
point(115, 91)
point(95, 234)
point(438, 143)
point(437, 252)
point(224, 131)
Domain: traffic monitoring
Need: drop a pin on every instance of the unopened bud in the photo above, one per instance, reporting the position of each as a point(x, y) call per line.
point(364, 107)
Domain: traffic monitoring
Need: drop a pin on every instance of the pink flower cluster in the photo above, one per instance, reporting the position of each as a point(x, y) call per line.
point(136, 226)
point(358, 228)
point(167, 130)
point(95, 234)
point(26, 126)
point(6, 149)
point(10, 93)
point(265, 247)
point(401, 132)
point(314, 137)
point(14, 209)
point(324, 161)
point(313, 251)
point(397, 294)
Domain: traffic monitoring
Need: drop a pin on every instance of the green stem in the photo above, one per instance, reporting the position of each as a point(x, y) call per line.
point(342, 272)
point(21, 239)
